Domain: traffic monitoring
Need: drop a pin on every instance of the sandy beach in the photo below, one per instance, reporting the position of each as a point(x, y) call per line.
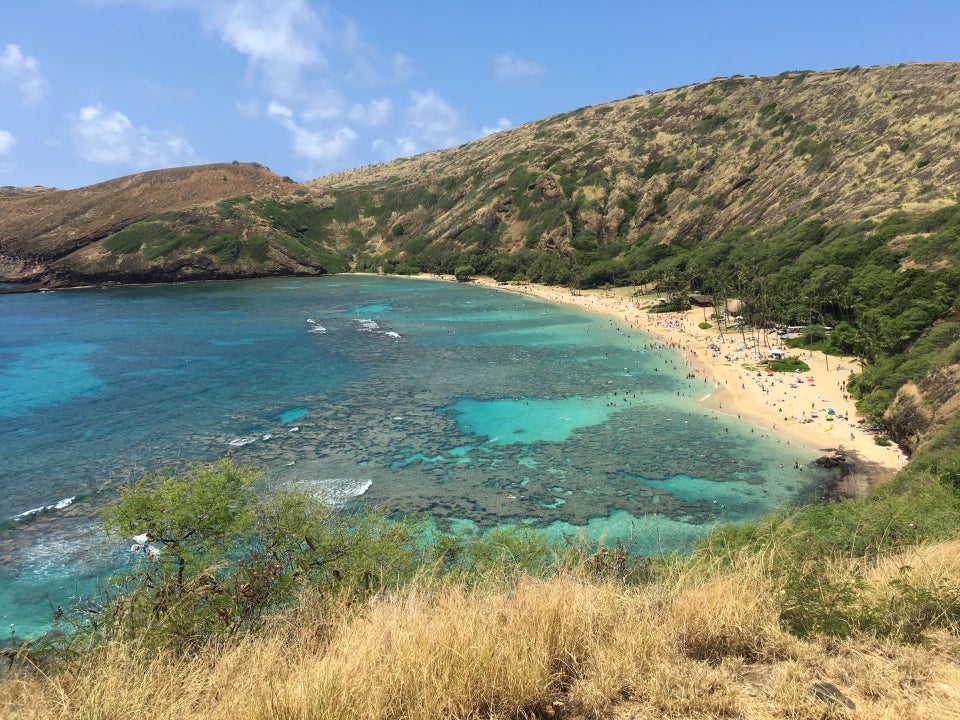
point(811, 410)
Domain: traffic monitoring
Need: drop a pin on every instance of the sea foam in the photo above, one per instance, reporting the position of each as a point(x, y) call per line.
point(60, 505)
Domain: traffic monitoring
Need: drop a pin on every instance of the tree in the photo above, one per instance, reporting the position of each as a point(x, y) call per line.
point(214, 555)
point(463, 273)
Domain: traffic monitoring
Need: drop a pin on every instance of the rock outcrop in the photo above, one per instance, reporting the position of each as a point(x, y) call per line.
point(918, 412)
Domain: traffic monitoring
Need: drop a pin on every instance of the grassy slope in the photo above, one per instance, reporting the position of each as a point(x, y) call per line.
point(703, 641)
point(689, 163)
point(679, 166)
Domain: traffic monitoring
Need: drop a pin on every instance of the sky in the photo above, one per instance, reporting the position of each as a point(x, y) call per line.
point(96, 89)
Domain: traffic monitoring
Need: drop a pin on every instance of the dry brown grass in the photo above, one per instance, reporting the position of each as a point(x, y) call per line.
point(704, 643)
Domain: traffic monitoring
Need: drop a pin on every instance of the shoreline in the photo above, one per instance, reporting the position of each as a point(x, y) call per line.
point(793, 407)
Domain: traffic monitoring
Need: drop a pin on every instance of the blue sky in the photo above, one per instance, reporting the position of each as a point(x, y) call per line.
point(95, 89)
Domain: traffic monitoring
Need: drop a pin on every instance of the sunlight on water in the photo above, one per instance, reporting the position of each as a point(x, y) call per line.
point(528, 420)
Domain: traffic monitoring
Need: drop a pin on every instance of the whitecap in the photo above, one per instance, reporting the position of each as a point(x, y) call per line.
point(50, 556)
point(337, 491)
point(59, 505)
point(365, 325)
point(355, 488)
point(391, 333)
point(240, 442)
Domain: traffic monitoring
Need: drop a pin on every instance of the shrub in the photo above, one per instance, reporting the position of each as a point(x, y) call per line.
point(257, 249)
point(710, 123)
point(133, 238)
point(214, 555)
point(788, 364)
point(463, 272)
point(226, 248)
point(230, 209)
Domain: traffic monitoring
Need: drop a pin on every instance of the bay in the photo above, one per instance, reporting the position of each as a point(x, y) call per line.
point(474, 406)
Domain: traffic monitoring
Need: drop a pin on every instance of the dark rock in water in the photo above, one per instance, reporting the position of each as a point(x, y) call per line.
point(831, 461)
point(830, 693)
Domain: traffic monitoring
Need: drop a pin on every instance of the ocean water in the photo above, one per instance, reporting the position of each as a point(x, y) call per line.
point(475, 406)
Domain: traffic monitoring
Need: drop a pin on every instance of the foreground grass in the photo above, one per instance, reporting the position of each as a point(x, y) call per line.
point(705, 639)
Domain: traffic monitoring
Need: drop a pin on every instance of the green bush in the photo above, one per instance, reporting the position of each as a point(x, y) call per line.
point(710, 123)
point(133, 238)
point(226, 248)
point(231, 208)
point(464, 272)
point(788, 364)
point(257, 249)
point(123, 245)
point(813, 604)
point(213, 554)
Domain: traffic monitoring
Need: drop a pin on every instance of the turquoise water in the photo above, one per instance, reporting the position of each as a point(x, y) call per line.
point(476, 406)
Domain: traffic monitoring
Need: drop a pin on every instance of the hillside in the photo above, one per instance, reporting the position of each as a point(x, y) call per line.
point(824, 200)
point(686, 165)
point(56, 236)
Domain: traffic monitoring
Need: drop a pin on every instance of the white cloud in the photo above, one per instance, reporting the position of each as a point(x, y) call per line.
point(375, 113)
point(109, 138)
point(323, 147)
point(307, 70)
point(323, 104)
point(318, 146)
point(502, 124)
point(432, 122)
point(506, 66)
point(280, 37)
point(7, 141)
point(22, 71)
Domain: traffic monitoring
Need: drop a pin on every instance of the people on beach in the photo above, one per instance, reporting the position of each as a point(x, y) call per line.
point(723, 361)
